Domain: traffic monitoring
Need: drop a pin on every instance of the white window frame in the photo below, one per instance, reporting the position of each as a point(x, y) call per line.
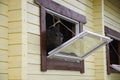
point(55, 52)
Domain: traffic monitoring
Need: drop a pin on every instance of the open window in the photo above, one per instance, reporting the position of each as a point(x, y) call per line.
point(51, 13)
point(113, 51)
point(64, 44)
point(79, 47)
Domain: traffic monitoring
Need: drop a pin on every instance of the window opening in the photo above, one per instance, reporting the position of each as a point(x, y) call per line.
point(58, 30)
point(65, 14)
point(113, 51)
point(114, 55)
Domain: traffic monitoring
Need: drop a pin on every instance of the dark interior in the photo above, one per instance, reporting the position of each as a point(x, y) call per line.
point(113, 46)
point(51, 19)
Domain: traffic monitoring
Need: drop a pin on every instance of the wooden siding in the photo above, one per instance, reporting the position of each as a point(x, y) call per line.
point(33, 56)
point(20, 40)
point(112, 16)
point(112, 20)
point(3, 40)
point(15, 40)
point(100, 59)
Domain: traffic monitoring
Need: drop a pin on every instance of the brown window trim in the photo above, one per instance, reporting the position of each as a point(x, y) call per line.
point(109, 32)
point(53, 64)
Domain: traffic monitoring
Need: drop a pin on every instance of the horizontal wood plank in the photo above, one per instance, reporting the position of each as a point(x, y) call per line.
point(33, 19)
point(3, 9)
point(4, 32)
point(33, 9)
point(3, 56)
point(34, 29)
point(3, 20)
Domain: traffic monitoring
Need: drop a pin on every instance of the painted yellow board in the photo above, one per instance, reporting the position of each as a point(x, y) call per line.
point(15, 4)
point(3, 32)
point(15, 27)
point(15, 50)
point(15, 61)
point(3, 56)
point(3, 9)
point(15, 38)
point(32, 8)
point(15, 15)
point(34, 29)
point(3, 21)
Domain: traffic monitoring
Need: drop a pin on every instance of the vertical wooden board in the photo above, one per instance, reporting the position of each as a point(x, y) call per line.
point(15, 50)
point(97, 15)
point(3, 56)
point(97, 2)
point(31, 28)
point(15, 73)
point(3, 9)
point(15, 27)
point(99, 61)
point(3, 76)
point(3, 20)
point(14, 4)
point(3, 67)
point(99, 76)
point(3, 32)
point(3, 44)
point(15, 61)
point(15, 38)
point(15, 15)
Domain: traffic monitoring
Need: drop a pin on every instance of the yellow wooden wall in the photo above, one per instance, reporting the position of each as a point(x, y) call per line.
point(111, 15)
point(100, 55)
point(112, 20)
point(20, 40)
point(84, 7)
point(3, 40)
point(17, 44)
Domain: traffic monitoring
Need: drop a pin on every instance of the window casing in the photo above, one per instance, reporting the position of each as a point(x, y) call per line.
point(55, 64)
point(112, 50)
